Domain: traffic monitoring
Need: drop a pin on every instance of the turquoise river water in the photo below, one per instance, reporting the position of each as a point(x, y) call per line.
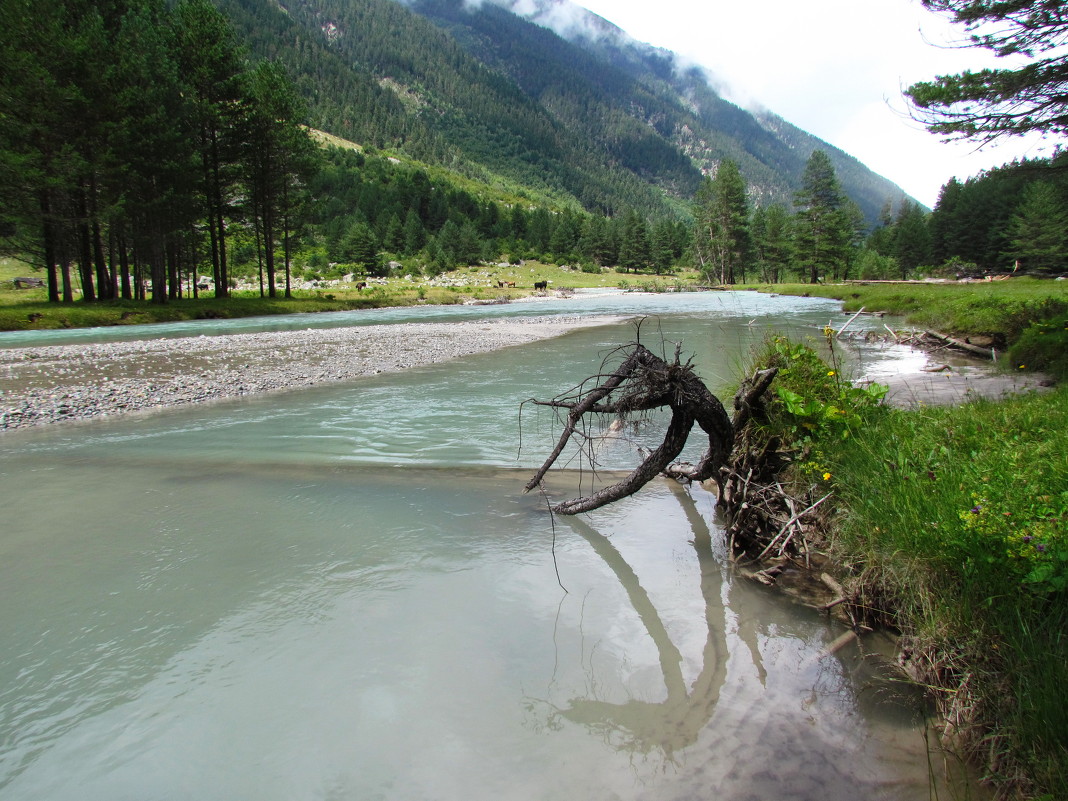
point(343, 593)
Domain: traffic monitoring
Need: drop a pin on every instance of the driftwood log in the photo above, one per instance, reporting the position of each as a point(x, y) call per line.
point(643, 382)
point(763, 520)
point(929, 341)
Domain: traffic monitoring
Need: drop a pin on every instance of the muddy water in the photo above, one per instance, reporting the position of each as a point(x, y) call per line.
point(342, 594)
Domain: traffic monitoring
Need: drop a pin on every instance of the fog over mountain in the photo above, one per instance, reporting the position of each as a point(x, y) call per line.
point(540, 92)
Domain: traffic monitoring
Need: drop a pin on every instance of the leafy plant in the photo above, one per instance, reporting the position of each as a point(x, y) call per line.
point(814, 402)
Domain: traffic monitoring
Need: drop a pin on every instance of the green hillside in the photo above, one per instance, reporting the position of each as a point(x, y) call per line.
point(606, 123)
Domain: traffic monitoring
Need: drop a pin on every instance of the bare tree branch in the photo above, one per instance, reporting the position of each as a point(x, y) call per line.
point(644, 382)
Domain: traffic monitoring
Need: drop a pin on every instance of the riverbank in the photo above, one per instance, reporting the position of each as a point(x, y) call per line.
point(59, 383)
point(949, 525)
point(952, 526)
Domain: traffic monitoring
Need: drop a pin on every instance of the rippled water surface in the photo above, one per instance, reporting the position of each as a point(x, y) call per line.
point(341, 593)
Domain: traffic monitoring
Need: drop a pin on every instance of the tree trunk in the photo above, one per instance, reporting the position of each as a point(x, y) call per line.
point(644, 382)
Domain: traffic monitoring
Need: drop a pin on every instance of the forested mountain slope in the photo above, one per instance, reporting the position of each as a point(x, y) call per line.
point(596, 119)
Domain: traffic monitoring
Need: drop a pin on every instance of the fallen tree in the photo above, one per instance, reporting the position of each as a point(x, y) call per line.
point(641, 383)
point(765, 522)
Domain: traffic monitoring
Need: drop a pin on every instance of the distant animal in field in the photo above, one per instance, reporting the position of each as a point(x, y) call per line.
point(541, 284)
point(361, 286)
point(22, 282)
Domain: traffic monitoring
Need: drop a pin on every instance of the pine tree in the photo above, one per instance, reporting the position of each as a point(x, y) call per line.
point(360, 247)
point(773, 242)
point(912, 240)
point(663, 246)
point(1021, 99)
point(278, 156)
point(944, 222)
point(414, 233)
point(722, 241)
point(211, 66)
point(635, 248)
point(1040, 229)
point(822, 229)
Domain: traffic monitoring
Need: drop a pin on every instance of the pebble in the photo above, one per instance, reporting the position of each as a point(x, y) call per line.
point(59, 383)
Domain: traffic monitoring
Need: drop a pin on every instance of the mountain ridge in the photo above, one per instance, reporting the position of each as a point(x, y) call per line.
point(599, 120)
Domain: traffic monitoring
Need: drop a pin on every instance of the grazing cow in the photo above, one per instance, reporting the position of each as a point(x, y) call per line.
point(361, 286)
point(541, 284)
point(22, 282)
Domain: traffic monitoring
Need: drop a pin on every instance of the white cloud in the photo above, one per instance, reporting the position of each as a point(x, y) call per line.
point(835, 68)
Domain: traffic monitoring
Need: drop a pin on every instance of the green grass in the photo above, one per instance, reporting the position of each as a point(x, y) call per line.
point(1027, 316)
point(953, 524)
point(958, 518)
point(999, 309)
point(29, 308)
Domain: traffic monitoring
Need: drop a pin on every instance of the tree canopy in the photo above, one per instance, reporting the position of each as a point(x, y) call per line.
point(987, 104)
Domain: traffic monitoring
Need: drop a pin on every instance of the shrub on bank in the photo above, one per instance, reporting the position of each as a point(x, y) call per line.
point(1043, 346)
point(814, 405)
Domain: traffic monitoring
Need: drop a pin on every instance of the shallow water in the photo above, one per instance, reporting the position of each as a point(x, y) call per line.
point(342, 593)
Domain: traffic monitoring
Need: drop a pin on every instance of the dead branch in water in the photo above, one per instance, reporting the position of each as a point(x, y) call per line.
point(763, 520)
point(644, 382)
point(928, 341)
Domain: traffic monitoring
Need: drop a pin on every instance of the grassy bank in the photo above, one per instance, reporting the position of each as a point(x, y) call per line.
point(1027, 316)
point(956, 520)
point(951, 525)
point(23, 309)
point(38, 313)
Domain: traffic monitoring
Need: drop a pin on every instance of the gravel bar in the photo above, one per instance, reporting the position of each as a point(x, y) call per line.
point(58, 383)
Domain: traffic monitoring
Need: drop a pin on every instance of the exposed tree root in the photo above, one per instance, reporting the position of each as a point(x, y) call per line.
point(644, 382)
point(766, 524)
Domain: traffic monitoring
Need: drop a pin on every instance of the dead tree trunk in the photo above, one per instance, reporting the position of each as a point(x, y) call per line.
point(644, 382)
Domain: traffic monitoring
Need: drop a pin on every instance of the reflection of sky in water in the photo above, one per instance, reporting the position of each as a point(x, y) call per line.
point(342, 594)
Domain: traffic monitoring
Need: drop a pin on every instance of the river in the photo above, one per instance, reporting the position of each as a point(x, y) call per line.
point(342, 593)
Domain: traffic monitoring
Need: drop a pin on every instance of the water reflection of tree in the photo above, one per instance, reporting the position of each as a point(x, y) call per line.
point(676, 722)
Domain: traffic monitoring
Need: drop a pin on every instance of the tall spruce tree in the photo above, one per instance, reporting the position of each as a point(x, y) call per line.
point(823, 231)
point(277, 159)
point(635, 247)
point(212, 68)
point(722, 241)
point(1039, 229)
point(772, 242)
point(912, 240)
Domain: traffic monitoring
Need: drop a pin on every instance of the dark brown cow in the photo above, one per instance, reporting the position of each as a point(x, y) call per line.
point(541, 284)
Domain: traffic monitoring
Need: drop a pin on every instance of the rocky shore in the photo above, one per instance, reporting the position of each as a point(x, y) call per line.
point(57, 383)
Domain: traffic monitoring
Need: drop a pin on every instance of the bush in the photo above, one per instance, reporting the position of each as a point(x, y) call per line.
point(814, 404)
point(1043, 346)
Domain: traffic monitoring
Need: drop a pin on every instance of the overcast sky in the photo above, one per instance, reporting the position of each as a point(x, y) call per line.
point(835, 68)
